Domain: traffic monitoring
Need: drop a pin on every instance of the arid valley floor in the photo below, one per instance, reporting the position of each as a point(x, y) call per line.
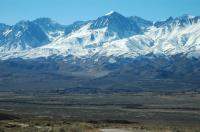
point(141, 112)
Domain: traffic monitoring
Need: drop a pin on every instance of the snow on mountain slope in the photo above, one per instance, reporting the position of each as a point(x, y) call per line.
point(176, 40)
point(84, 42)
point(51, 28)
point(116, 24)
point(23, 35)
point(114, 35)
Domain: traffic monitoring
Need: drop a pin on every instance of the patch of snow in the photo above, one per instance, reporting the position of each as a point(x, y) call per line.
point(18, 34)
point(7, 32)
point(111, 60)
point(109, 13)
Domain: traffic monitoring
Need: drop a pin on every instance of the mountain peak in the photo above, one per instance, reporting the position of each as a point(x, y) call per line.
point(186, 16)
point(23, 22)
point(45, 20)
point(178, 21)
point(48, 25)
point(116, 24)
point(111, 13)
point(110, 19)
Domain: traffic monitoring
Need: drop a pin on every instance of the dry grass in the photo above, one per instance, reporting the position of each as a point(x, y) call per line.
point(63, 126)
point(137, 113)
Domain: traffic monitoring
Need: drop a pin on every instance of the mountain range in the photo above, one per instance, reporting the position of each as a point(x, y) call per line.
point(110, 52)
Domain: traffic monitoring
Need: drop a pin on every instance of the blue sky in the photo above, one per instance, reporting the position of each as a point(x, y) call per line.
point(68, 11)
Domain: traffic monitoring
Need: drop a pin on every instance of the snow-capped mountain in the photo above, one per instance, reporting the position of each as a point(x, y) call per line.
point(110, 53)
point(112, 35)
point(116, 24)
point(24, 35)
